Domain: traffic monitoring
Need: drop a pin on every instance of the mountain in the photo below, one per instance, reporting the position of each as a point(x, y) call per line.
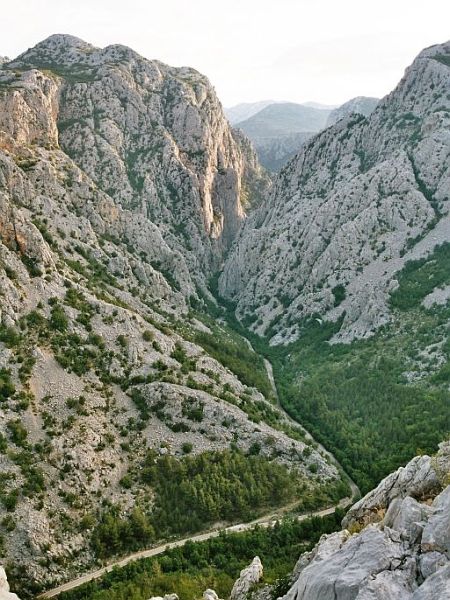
point(170, 323)
point(122, 188)
point(363, 105)
point(245, 110)
point(278, 130)
point(343, 218)
point(282, 119)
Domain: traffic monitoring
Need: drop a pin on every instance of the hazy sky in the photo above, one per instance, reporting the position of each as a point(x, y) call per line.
point(297, 50)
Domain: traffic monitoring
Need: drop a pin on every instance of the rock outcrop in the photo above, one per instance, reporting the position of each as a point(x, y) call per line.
point(248, 577)
point(402, 554)
point(5, 594)
point(344, 216)
point(420, 479)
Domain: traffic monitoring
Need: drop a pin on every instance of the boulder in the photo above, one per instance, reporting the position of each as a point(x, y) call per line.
point(5, 594)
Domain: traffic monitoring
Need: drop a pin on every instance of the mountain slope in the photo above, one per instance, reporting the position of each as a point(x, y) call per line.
point(111, 373)
point(359, 201)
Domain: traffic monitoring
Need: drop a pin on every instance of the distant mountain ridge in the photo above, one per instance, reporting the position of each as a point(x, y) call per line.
point(279, 130)
point(362, 105)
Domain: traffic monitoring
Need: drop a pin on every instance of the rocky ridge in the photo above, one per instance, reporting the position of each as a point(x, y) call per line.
point(344, 216)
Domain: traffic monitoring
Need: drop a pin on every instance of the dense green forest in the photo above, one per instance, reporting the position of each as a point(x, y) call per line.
point(215, 563)
point(374, 403)
point(194, 492)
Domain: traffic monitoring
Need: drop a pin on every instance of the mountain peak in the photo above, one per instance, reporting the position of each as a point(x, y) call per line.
point(436, 50)
point(56, 49)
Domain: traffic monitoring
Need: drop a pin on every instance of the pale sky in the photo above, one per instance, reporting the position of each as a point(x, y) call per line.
point(295, 50)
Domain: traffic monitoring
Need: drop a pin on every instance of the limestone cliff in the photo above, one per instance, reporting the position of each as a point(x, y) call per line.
point(344, 216)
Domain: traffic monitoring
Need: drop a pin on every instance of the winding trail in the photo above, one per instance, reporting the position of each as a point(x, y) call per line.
point(264, 521)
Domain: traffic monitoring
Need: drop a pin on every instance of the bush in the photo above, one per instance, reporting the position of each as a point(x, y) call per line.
point(339, 294)
point(18, 432)
point(187, 447)
point(7, 388)
point(148, 336)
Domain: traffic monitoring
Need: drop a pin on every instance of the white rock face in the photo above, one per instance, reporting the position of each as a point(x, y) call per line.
point(5, 594)
point(403, 557)
point(210, 595)
point(247, 579)
point(344, 216)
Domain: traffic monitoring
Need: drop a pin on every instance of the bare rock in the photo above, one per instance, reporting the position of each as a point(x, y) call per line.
point(5, 594)
point(247, 579)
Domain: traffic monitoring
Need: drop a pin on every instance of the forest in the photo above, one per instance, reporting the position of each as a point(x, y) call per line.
point(192, 493)
point(215, 563)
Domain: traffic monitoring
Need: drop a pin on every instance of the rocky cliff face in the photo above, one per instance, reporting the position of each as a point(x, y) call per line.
point(403, 549)
point(344, 216)
point(152, 137)
point(121, 186)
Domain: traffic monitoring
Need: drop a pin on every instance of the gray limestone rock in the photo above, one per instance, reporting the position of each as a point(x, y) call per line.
point(5, 594)
point(347, 212)
point(249, 576)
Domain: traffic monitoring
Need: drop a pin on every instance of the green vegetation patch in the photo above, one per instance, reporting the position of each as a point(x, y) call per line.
point(188, 571)
point(194, 492)
point(233, 352)
point(420, 277)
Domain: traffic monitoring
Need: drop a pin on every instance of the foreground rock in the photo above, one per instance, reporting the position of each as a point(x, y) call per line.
point(5, 594)
point(403, 556)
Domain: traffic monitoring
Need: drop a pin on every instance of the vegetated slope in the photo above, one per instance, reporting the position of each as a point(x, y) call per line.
point(279, 130)
point(215, 563)
point(363, 105)
point(346, 264)
point(101, 357)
